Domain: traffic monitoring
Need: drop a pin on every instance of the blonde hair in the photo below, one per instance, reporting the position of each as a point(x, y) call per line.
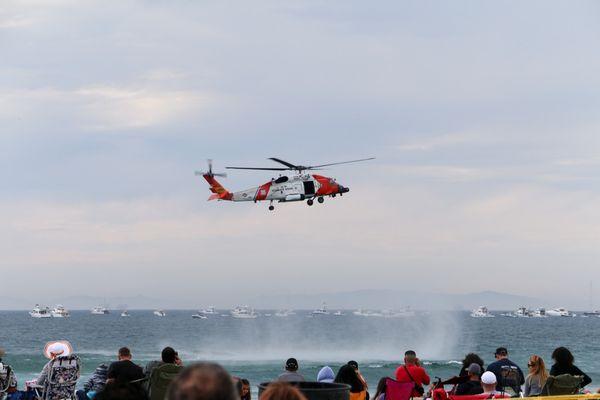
point(537, 369)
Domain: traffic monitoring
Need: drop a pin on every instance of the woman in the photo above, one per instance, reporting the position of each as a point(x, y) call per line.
point(381, 387)
point(281, 391)
point(61, 348)
point(245, 395)
point(348, 375)
point(563, 364)
point(469, 359)
point(535, 380)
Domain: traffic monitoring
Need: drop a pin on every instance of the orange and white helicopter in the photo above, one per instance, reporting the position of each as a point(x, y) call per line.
point(298, 187)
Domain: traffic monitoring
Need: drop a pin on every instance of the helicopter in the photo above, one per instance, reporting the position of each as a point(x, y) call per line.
point(283, 189)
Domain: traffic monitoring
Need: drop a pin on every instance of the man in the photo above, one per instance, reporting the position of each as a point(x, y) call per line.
point(291, 372)
point(167, 356)
point(488, 383)
point(124, 370)
point(503, 365)
point(203, 381)
point(412, 371)
point(473, 385)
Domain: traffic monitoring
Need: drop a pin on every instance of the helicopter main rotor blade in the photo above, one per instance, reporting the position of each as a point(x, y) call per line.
point(342, 162)
point(287, 164)
point(260, 169)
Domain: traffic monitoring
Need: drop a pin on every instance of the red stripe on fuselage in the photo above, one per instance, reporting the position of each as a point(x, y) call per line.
point(327, 187)
point(263, 191)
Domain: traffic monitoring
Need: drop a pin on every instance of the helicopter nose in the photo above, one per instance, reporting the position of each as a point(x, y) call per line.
point(343, 189)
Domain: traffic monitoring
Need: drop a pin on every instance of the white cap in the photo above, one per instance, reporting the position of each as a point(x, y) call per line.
point(58, 348)
point(488, 378)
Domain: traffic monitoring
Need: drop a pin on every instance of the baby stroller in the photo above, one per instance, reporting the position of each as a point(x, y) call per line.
point(63, 373)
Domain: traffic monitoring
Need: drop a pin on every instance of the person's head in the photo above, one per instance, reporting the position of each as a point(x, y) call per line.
point(470, 359)
point(124, 354)
point(562, 356)
point(281, 391)
point(488, 382)
point(354, 364)
point(118, 390)
point(325, 375)
point(60, 348)
point(168, 355)
point(501, 353)
point(410, 357)
point(291, 365)
point(474, 371)
point(381, 387)
point(245, 388)
point(537, 368)
point(348, 375)
point(203, 381)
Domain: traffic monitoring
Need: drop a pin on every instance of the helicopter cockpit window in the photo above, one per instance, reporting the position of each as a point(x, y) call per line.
point(281, 179)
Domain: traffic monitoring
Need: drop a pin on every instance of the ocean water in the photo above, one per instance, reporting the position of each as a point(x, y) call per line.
point(257, 348)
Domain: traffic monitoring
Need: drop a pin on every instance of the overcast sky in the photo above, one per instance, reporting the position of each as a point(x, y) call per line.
point(484, 118)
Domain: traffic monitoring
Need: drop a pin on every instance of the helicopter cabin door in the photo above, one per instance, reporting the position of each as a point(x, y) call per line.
point(309, 188)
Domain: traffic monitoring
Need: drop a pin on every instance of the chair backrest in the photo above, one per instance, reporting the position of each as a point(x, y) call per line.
point(562, 384)
point(7, 378)
point(160, 379)
point(395, 390)
point(63, 373)
point(509, 379)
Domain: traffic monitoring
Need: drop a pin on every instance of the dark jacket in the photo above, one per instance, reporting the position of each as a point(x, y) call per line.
point(496, 368)
point(571, 370)
point(97, 380)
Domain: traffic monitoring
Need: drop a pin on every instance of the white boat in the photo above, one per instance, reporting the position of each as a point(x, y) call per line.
point(243, 312)
point(60, 312)
point(539, 313)
point(40, 312)
point(338, 313)
point(322, 310)
point(559, 312)
point(523, 312)
point(160, 313)
point(100, 310)
point(125, 313)
point(592, 313)
point(481, 312)
point(283, 313)
point(210, 310)
point(199, 315)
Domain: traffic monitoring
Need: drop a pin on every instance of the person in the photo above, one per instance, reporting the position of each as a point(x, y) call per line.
point(121, 390)
point(8, 380)
point(412, 371)
point(488, 383)
point(245, 394)
point(325, 375)
point(203, 381)
point(501, 362)
point(381, 388)
point(354, 364)
point(291, 373)
point(467, 361)
point(124, 369)
point(348, 375)
point(281, 391)
point(52, 350)
point(535, 380)
point(563, 364)
point(168, 355)
point(95, 384)
point(473, 385)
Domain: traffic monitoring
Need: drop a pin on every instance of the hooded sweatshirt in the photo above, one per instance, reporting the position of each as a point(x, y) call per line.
point(325, 375)
point(97, 380)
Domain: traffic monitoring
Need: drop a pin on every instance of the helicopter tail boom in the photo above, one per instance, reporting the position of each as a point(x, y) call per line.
point(219, 192)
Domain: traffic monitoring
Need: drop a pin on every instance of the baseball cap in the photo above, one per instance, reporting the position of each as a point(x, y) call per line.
point(488, 378)
point(291, 363)
point(501, 351)
point(474, 369)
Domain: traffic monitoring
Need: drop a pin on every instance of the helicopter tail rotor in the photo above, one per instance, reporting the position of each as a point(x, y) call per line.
point(210, 172)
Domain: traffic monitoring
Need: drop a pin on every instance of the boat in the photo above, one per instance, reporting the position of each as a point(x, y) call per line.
point(100, 310)
point(243, 312)
point(60, 312)
point(523, 312)
point(481, 312)
point(592, 313)
point(322, 310)
point(338, 313)
point(283, 313)
point(559, 312)
point(40, 312)
point(125, 313)
point(160, 313)
point(210, 310)
point(539, 313)
point(199, 315)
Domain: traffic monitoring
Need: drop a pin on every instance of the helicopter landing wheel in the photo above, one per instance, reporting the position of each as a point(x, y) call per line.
point(271, 208)
point(321, 200)
point(309, 202)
